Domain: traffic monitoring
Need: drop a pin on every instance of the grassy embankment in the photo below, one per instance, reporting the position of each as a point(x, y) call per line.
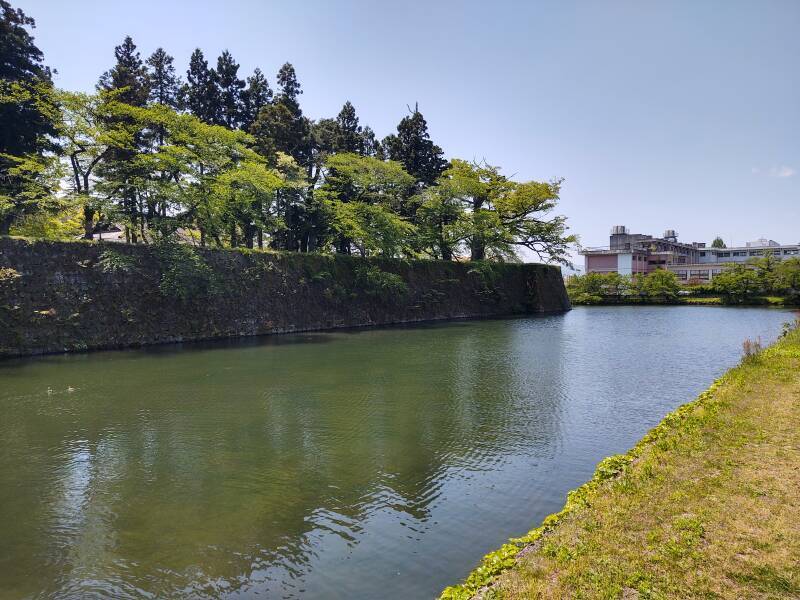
point(706, 505)
point(720, 301)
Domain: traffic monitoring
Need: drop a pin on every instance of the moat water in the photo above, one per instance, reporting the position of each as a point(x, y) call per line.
point(355, 464)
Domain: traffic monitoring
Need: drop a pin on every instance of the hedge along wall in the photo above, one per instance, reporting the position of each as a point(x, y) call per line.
point(67, 296)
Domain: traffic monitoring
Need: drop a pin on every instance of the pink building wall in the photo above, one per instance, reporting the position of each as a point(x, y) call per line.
point(600, 262)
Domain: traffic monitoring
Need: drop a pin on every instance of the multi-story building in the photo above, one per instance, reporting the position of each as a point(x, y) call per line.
point(636, 253)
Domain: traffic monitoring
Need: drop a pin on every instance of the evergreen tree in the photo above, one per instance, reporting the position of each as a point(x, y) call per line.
point(350, 134)
point(27, 111)
point(163, 82)
point(371, 146)
point(282, 127)
point(290, 87)
point(718, 243)
point(229, 93)
point(255, 97)
point(413, 148)
point(200, 95)
point(125, 83)
point(128, 77)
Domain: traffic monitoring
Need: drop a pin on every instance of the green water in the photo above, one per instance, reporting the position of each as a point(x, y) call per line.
point(360, 464)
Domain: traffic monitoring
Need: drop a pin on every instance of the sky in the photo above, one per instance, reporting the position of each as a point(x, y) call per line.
point(677, 115)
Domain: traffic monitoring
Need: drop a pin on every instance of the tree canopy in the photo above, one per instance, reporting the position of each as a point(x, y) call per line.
point(220, 158)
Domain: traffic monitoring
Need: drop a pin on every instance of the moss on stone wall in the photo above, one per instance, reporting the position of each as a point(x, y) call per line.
point(78, 296)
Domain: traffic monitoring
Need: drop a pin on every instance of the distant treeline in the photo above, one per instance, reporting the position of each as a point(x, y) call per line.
point(749, 283)
point(223, 160)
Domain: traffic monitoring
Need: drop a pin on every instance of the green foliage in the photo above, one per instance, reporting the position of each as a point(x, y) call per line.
point(661, 285)
point(738, 284)
point(475, 208)
point(115, 262)
point(184, 274)
point(28, 114)
point(361, 194)
point(788, 279)
point(413, 148)
point(718, 243)
point(221, 161)
point(375, 282)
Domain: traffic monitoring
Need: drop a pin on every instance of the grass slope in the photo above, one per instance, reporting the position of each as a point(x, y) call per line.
point(707, 505)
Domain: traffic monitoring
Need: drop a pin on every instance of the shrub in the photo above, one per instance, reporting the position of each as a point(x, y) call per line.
point(184, 273)
point(115, 262)
point(380, 284)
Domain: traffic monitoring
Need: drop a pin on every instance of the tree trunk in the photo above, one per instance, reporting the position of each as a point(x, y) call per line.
point(447, 254)
point(248, 235)
point(88, 223)
point(234, 239)
point(260, 239)
point(478, 250)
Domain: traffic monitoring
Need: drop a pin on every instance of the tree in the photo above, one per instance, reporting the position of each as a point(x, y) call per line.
point(349, 136)
point(737, 284)
point(475, 206)
point(230, 89)
point(200, 95)
point(661, 285)
point(788, 279)
point(413, 148)
point(718, 243)
point(164, 84)
point(85, 141)
point(766, 271)
point(126, 83)
point(362, 195)
point(281, 127)
point(128, 76)
point(28, 118)
point(255, 97)
point(595, 288)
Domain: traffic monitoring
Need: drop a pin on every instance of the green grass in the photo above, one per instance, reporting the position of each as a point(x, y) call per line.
point(703, 300)
point(705, 506)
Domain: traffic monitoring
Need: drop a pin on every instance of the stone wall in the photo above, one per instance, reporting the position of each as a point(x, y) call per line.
point(57, 296)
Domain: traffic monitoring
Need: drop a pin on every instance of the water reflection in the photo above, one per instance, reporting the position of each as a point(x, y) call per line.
point(363, 464)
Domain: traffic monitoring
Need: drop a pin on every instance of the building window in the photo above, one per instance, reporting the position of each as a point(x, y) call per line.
point(756, 252)
point(723, 254)
point(740, 253)
point(702, 254)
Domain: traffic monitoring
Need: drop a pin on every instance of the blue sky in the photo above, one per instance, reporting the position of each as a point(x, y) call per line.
point(681, 115)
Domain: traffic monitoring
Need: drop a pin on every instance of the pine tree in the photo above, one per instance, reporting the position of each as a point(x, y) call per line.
point(413, 148)
point(126, 82)
point(27, 109)
point(371, 145)
point(255, 97)
point(290, 87)
point(200, 94)
point(128, 77)
point(163, 82)
point(350, 134)
point(282, 127)
point(229, 88)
